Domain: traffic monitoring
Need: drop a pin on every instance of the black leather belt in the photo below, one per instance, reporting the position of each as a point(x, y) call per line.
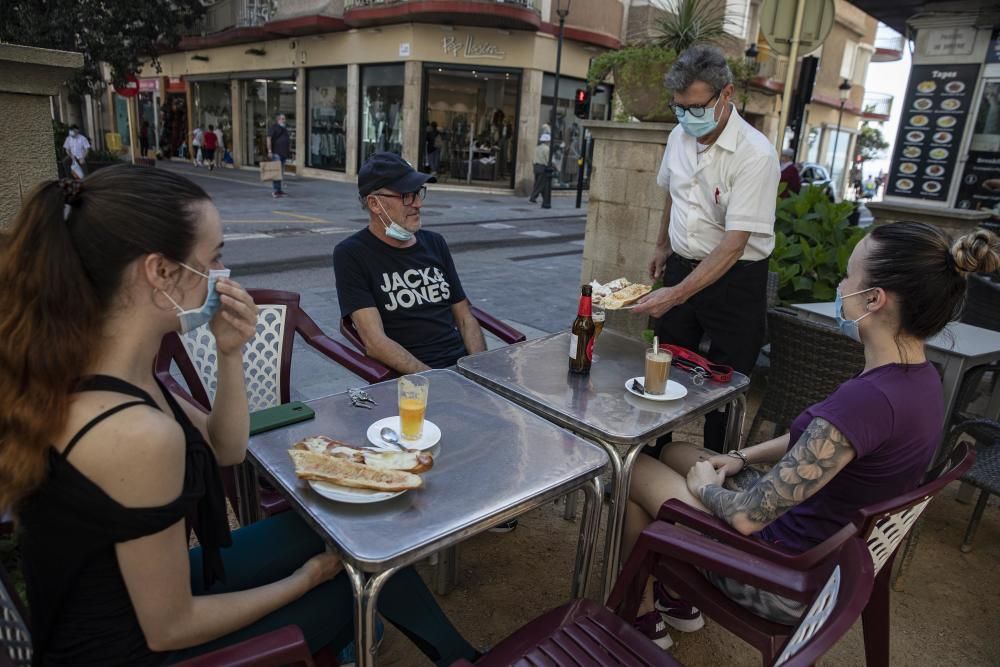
point(692, 263)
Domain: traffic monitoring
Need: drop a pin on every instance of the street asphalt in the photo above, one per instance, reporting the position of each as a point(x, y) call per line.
point(516, 260)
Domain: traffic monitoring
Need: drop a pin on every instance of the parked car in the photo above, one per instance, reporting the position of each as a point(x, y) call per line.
point(816, 174)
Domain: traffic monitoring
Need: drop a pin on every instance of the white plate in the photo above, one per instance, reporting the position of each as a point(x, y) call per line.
point(345, 494)
point(430, 437)
point(673, 391)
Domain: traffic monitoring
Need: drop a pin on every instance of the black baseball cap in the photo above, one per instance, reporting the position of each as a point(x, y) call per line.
point(388, 170)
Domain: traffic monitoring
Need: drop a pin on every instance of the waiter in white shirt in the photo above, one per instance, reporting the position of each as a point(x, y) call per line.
point(717, 232)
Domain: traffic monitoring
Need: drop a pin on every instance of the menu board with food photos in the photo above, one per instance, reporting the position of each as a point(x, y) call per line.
point(934, 113)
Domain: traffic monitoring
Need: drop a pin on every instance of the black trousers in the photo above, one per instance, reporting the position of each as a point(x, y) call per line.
point(731, 312)
point(539, 181)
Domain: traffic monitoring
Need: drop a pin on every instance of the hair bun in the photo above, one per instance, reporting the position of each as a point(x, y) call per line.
point(977, 252)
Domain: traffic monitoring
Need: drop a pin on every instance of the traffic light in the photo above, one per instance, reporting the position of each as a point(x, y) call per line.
point(582, 106)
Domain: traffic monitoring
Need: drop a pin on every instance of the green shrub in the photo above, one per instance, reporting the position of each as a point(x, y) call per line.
point(812, 243)
point(102, 156)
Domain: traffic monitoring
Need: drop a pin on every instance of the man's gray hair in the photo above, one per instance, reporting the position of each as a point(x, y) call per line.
point(699, 63)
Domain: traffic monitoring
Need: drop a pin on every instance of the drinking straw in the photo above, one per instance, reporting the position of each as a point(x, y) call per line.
point(656, 343)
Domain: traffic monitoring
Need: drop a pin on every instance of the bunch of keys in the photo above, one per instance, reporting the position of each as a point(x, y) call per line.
point(361, 399)
point(698, 375)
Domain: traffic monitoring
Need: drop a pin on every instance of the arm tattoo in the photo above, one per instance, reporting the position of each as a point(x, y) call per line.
point(808, 466)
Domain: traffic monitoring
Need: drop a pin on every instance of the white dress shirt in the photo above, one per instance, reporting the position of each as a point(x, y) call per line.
point(732, 185)
point(77, 146)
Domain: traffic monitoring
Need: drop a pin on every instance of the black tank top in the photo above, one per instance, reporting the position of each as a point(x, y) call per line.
point(81, 613)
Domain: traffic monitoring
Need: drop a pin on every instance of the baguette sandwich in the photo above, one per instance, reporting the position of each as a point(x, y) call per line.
point(318, 467)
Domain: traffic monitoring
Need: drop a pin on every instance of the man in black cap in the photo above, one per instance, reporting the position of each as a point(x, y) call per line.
point(398, 282)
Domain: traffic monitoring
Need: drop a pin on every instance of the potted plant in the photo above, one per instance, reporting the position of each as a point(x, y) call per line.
point(100, 159)
point(639, 68)
point(813, 240)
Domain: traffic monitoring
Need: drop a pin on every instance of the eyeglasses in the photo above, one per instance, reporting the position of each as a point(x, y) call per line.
point(697, 110)
point(407, 197)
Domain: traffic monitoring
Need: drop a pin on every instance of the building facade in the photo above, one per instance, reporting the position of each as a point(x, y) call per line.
point(361, 76)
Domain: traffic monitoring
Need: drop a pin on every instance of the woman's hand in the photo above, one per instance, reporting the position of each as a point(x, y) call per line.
point(236, 321)
point(321, 568)
point(701, 475)
point(729, 465)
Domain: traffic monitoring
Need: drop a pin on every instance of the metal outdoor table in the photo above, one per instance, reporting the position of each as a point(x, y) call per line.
point(494, 462)
point(955, 350)
point(597, 406)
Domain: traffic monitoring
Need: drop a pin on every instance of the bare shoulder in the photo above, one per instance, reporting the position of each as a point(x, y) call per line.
point(136, 456)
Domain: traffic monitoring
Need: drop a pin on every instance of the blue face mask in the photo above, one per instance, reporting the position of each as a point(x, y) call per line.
point(848, 327)
point(199, 317)
point(394, 230)
point(699, 127)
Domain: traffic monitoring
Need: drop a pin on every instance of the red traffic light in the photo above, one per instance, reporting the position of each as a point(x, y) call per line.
point(582, 103)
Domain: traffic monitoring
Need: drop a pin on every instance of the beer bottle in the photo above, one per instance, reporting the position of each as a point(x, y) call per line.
point(580, 349)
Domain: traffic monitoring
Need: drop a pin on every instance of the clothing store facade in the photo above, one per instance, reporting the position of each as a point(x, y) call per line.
point(469, 103)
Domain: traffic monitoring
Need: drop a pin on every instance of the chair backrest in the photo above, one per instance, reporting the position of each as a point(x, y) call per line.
point(808, 362)
point(883, 526)
point(14, 635)
point(982, 302)
point(833, 611)
point(773, 286)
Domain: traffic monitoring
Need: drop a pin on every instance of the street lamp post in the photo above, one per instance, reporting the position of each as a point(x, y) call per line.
point(845, 91)
point(547, 191)
point(751, 61)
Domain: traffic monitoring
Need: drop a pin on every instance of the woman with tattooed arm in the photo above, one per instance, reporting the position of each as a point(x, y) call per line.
point(869, 441)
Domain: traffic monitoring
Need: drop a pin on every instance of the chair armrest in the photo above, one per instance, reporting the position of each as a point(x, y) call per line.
point(676, 511)
point(175, 388)
point(366, 368)
point(284, 646)
point(498, 328)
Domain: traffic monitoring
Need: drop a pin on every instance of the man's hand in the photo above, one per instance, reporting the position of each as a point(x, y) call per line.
point(658, 262)
point(701, 475)
point(729, 465)
point(658, 302)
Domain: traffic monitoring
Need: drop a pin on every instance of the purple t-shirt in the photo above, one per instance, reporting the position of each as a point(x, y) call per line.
point(892, 416)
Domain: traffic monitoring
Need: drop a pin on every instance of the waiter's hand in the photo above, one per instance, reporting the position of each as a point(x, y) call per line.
point(659, 261)
point(658, 302)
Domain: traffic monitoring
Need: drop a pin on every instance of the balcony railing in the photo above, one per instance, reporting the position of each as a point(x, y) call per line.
point(876, 106)
point(226, 14)
point(889, 44)
point(355, 4)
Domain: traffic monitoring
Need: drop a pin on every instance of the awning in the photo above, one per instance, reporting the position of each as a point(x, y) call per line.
point(895, 14)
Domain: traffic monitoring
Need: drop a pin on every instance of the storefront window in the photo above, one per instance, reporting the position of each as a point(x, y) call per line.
point(327, 118)
point(381, 126)
point(812, 140)
point(212, 105)
point(470, 125)
point(263, 100)
point(569, 136)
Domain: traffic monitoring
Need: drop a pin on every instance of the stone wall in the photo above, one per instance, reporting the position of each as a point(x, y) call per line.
point(27, 154)
point(625, 208)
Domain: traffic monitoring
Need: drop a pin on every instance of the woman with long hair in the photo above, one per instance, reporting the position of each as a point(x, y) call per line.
point(107, 472)
point(869, 441)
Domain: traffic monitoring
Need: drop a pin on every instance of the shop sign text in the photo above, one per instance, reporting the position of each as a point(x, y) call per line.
point(470, 48)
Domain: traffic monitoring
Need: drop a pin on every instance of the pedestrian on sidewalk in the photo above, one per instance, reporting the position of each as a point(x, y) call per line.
point(717, 230)
point(144, 139)
point(76, 147)
point(431, 149)
point(789, 173)
point(278, 145)
point(209, 143)
point(541, 164)
point(220, 146)
point(196, 139)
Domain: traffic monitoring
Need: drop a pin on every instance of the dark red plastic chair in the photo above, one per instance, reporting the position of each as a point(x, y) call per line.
point(497, 327)
point(675, 555)
point(585, 633)
point(268, 358)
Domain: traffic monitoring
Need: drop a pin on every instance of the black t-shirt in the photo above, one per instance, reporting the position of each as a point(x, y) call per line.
point(413, 289)
point(280, 140)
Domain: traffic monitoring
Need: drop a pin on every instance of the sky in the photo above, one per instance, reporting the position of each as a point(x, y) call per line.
point(888, 78)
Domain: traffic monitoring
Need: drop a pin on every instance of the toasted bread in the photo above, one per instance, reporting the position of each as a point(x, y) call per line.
point(625, 296)
point(409, 461)
point(343, 472)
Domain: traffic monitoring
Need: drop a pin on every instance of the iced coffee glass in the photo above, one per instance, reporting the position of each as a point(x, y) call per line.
point(657, 371)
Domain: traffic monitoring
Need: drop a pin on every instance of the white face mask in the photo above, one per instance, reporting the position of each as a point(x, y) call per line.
point(72, 133)
point(198, 317)
point(393, 230)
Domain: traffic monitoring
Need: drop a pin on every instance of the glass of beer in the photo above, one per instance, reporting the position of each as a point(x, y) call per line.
point(657, 371)
point(413, 391)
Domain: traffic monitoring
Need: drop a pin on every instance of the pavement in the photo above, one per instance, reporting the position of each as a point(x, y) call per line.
point(516, 260)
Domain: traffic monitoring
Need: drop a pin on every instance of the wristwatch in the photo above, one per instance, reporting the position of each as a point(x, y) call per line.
point(737, 454)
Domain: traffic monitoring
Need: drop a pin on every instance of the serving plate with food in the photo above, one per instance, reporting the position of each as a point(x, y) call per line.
point(618, 293)
point(346, 473)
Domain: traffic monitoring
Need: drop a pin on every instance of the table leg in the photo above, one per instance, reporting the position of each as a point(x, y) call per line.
point(446, 570)
point(593, 496)
point(247, 494)
point(616, 522)
point(569, 512)
point(735, 423)
point(366, 591)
